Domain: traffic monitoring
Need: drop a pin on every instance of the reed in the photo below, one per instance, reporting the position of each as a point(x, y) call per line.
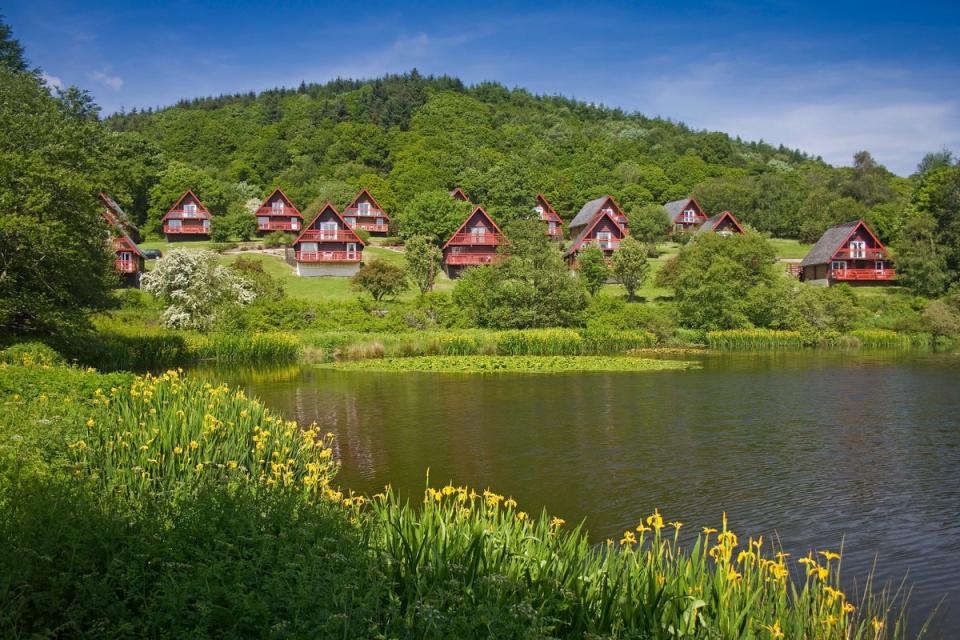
point(754, 339)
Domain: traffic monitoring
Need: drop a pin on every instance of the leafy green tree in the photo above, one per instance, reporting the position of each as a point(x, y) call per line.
point(423, 258)
point(531, 287)
point(593, 269)
point(380, 279)
point(176, 178)
point(649, 224)
point(726, 282)
point(921, 262)
point(630, 266)
point(11, 53)
point(265, 287)
point(196, 289)
point(938, 195)
point(54, 258)
point(936, 160)
point(433, 214)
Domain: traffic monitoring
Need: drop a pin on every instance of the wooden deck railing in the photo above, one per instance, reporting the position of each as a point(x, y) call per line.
point(471, 258)
point(340, 235)
point(192, 228)
point(278, 225)
point(862, 274)
point(471, 239)
point(847, 253)
point(183, 213)
point(329, 256)
point(372, 226)
point(281, 211)
point(370, 213)
point(125, 266)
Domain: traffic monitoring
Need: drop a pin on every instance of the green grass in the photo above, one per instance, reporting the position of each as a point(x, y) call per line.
point(786, 248)
point(510, 364)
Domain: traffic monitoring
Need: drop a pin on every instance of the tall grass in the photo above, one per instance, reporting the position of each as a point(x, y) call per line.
point(754, 339)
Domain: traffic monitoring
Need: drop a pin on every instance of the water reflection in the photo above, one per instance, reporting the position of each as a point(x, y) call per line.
point(816, 447)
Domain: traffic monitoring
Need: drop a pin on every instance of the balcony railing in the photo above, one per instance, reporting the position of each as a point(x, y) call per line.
point(693, 220)
point(280, 211)
point(329, 256)
point(370, 213)
point(125, 266)
point(317, 235)
point(605, 245)
point(471, 258)
point(278, 225)
point(556, 232)
point(860, 254)
point(492, 239)
point(372, 226)
point(862, 274)
point(183, 213)
point(186, 228)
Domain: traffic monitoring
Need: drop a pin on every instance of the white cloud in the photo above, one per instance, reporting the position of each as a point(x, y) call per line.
point(52, 81)
point(107, 79)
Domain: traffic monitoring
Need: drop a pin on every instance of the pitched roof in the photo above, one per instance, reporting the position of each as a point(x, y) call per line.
point(713, 222)
point(587, 212)
point(117, 214)
point(676, 207)
point(831, 240)
point(355, 202)
point(459, 193)
point(122, 236)
point(548, 209)
point(483, 212)
point(587, 230)
point(263, 205)
point(200, 207)
point(346, 227)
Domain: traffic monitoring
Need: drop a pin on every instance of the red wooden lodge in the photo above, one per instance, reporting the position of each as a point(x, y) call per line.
point(128, 260)
point(327, 246)
point(549, 216)
point(474, 243)
point(364, 212)
point(603, 231)
point(850, 253)
point(724, 223)
point(686, 214)
point(458, 194)
point(278, 213)
point(187, 219)
point(593, 210)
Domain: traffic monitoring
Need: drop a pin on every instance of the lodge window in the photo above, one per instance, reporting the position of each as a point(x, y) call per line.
point(539, 211)
point(839, 265)
point(190, 210)
point(328, 229)
point(479, 230)
point(689, 215)
point(277, 205)
point(603, 239)
point(364, 208)
point(858, 249)
point(294, 223)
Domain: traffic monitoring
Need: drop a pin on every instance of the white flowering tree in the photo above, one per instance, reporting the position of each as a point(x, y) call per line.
point(196, 288)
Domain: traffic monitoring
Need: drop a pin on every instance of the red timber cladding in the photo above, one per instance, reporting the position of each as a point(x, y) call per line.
point(127, 256)
point(475, 242)
point(366, 213)
point(603, 232)
point(549, 217)
point(611, 207)
point(727, 224)
point(861, 257)
point(187, 216)
point(328, 239)
point(684, 218)
point(458, 194)
point(278, 213)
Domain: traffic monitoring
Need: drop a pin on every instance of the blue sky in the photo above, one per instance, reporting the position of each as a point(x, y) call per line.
point(830, 78)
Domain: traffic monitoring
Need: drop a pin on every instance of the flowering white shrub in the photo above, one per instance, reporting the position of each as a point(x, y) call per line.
point(195, 288)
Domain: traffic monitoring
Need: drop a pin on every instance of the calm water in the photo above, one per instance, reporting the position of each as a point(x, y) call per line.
point(816, 449)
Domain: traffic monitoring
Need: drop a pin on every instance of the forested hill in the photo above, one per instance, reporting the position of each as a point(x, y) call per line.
point(404, 135)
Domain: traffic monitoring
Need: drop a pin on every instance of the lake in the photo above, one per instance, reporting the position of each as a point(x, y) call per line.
point(817, 449)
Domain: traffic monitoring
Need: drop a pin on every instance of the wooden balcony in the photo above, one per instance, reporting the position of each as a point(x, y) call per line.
point(846, 275)
point(329, 256)
point(605, 245)
point(369, 213)
point(280, 211)
point(278, 225)
point(188, 215)
point(191, 228)
point(125, 266)
point(373, 227)
point(860, 254)
point(556, 233)
point(475, 239)
point(471, 258)
point(340, 235)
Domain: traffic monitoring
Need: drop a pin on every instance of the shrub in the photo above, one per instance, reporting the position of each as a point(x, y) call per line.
point(28, 353)
point(278, 239)
point(379, 278)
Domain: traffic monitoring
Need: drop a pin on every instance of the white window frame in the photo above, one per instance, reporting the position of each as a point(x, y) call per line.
point(351, 249)
point(190, 209)
point(858, 249)
point(327, 227)
point(363, 208)
point(689, 215)
point(838, 265)
point(278, 205)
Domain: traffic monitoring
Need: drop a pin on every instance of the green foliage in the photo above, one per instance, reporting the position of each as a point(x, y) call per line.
point(726, 282)
point(28, 353)
point(264, 286)
point(649, 224)
point(55, 262)
point(592, 268)
point(11, 53)
point(433, 214)
point(938, 196)
point(175, 178)
point(529, 288)
point(630, 266)
point(921, 262)
point(380, 278)
point(278, 239)
point(511, 364)
point(423, 258)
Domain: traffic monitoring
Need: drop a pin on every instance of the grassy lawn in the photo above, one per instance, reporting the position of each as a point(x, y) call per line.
point(789, 248)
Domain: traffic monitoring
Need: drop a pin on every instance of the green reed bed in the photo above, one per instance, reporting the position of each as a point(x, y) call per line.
point(163, 506)
point(755, 339)
point(510, 364)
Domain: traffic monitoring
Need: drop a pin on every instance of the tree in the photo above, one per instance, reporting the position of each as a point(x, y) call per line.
point(379, 278)
point(11, 53)
point(630, 266)
point(920, 260)
point(593, 269)
point(264, 286)
point(176, 178)
point(529, 288)
point(54, 262)
point(423, 261)
point(935, 160)
point(196, 289)
point(649, 224)
point(433, 214)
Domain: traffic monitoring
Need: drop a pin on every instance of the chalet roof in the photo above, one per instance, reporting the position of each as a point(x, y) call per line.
point(457, 191)
point(122, 236)
point(831, 240)
point(286, 198)
point(548, 208)
point(676, 207)
point(200, 206)
point(483, 213)
point(714, 221)
point(587, 230)
point(587, 212)
point(118, 215)
point(356, 202)
point(346, 227)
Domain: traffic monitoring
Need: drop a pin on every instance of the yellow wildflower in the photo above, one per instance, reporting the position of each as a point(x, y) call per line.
point(199, 467)
point(676, 524)
point(628, 538)
point(90, 423)
point(655, 520)
point(774, 629)
point(521, 515)
point(877, 625)
point(830, 555)
point(177, 451)
point(193, 444)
